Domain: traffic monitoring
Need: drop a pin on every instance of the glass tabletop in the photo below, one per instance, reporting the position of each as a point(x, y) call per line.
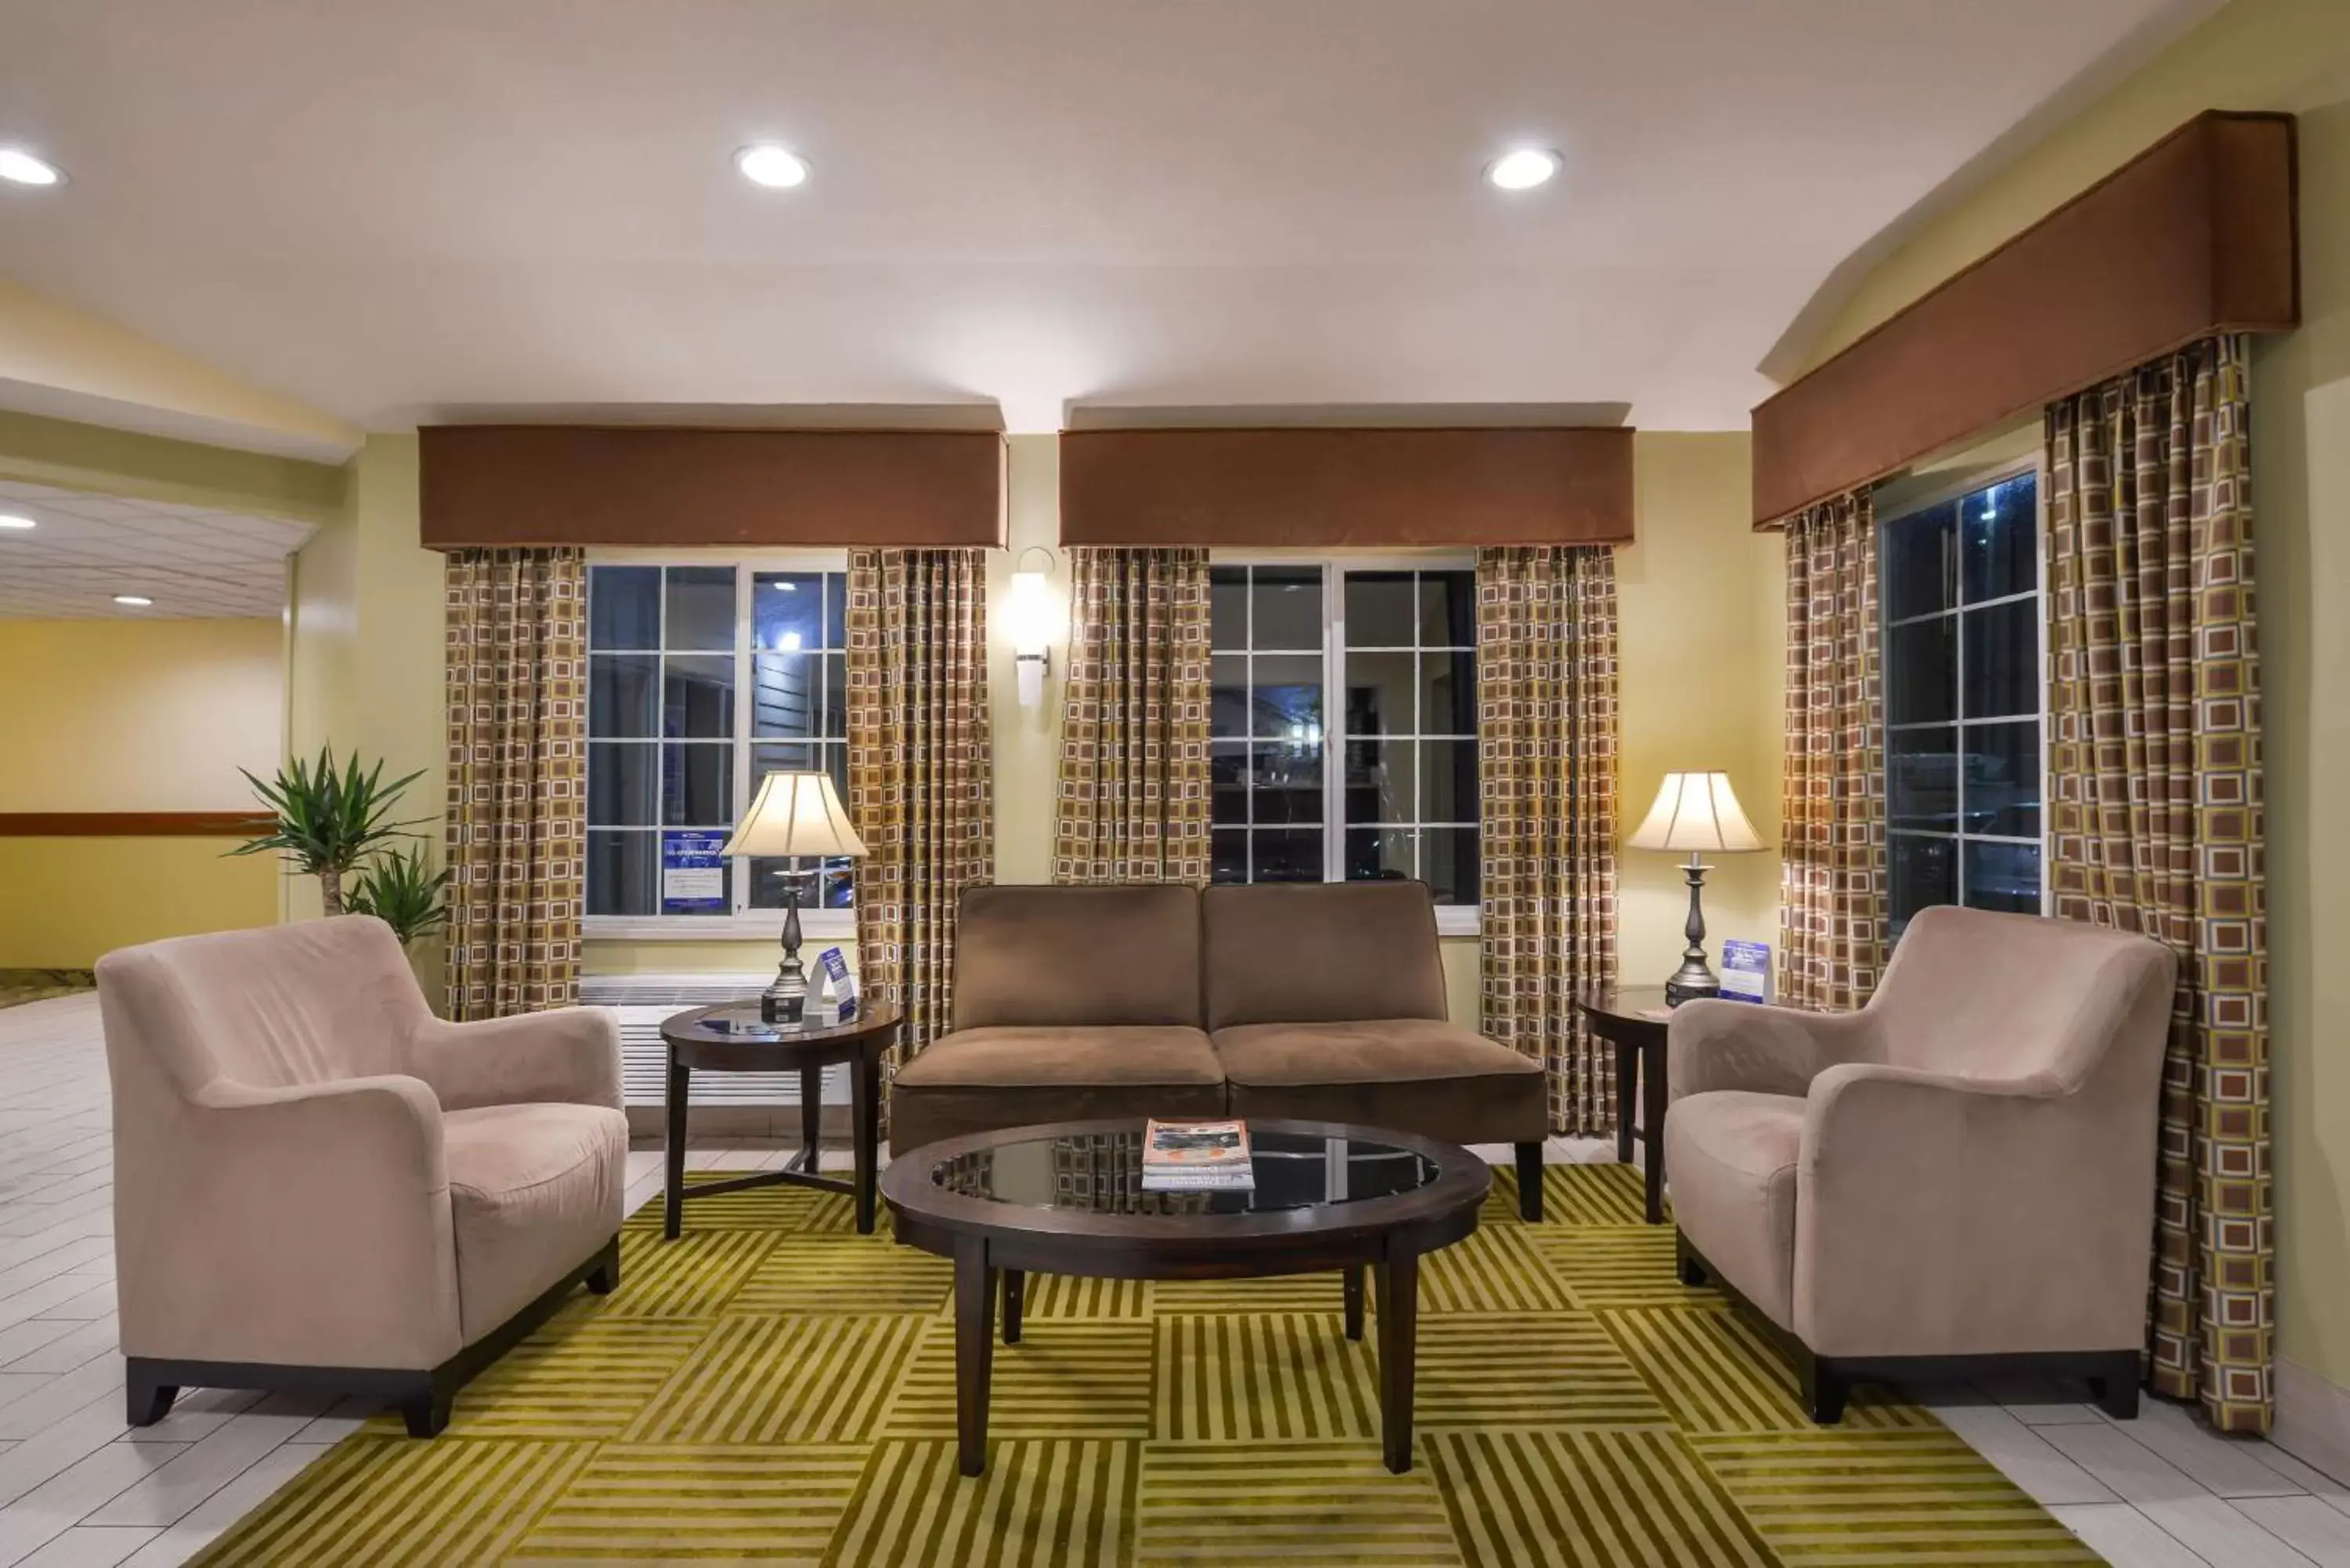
point(1101, 1173)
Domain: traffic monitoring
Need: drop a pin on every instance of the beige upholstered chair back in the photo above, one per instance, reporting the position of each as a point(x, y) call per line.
point(305, 1003)
point(1321, 953)
point(1985, 995)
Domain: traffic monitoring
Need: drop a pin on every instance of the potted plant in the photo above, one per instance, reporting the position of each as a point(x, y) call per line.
point(327, 820)
point(399, 890)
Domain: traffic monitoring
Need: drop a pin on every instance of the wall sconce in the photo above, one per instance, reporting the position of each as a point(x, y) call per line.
point(1032, 620)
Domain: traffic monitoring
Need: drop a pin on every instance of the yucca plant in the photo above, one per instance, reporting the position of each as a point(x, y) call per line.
point(397, 889)
point(327, 821)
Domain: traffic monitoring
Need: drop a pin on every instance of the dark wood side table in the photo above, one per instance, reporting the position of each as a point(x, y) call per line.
point(1632, 1018)
point(731, 1039)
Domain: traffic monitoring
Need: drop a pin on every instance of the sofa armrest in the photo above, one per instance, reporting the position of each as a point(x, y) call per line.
point(1713, 1044)
point(571, 1054)
point(307, 1224)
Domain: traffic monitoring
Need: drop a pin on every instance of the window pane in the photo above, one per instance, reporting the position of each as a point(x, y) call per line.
point(1228, 606)
point(2004, 659)
point(2001, 526)
point(787, 610)
point(1448, 781)
point(701, 610)
point(1286, 699)
point(1228, 700)
point(2004, 779)
point(2004, 877)
point(1448, 609)
point(698, 697)
point(1925, 873)
point(1448, 693)
point(1921, 779)
point(623, 694)
point(823, 885)
point(836, 696)
point(623, 780)
point(765, 760)
point(1379, 609)
point(1288, 606)
point(1287, 854)
point(835, 609)
point(1379, 854)
point(697, 784)
point(785, 699)
point(1228, 780)
point(1379, 694)
point(1922, 687)
point(623, 873)
point(1286, 782)
point(624, 607)
point(1379, 781)
point(1228, 855)
point(1447, 863)
point(1918, 562)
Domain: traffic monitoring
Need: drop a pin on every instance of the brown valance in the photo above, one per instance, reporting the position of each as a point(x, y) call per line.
point(491, 485)
point(2194, 236)
point(1328, 488)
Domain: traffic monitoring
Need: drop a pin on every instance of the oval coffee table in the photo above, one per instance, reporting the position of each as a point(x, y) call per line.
point(1068, 1198)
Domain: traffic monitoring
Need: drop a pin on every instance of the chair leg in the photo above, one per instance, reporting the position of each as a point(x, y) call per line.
point(146, 1401)
point(1824, 1389)
point(427, 1410)
point(2115, 1385)
point(1691, 1266)
point(605, 1277)
point(1530, 1182)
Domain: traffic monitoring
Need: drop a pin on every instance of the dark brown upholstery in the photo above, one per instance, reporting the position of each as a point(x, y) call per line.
point(1418, 1074)
point(977, 1080)
point(1125, 954)
point(1321, 953)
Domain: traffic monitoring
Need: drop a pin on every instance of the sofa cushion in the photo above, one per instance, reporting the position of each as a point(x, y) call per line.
point(980, 1080)
point(533, 1190)
point(1056, 956)
point(1421, 1075)
point(1320, 952)
point(1730, 1156)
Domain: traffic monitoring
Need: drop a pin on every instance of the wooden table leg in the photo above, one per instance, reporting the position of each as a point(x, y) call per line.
point(811, 1115)
point(1353, 1278)
point(1627, 1082)
point(974, 1351)
point(681, 1086)
point(1399, 1306)
point(1652, 1125)
point(864, 1110)
point(1015, 1296)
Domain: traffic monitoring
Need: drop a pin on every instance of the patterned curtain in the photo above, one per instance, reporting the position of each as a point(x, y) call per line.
point(1132, 803)
point(517, 835)
point(919, 762)
point(2155, 826)
point(1832, 922)
point(1546, 759)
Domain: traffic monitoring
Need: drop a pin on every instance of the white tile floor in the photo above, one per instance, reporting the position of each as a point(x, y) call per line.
point(80, 1489)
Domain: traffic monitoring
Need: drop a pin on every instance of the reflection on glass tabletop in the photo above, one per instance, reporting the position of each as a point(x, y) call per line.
point(1101, 1173)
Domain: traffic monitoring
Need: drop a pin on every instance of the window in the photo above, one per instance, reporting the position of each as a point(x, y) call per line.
point(1964, 702)
point(701, 680)
point(1381, 780)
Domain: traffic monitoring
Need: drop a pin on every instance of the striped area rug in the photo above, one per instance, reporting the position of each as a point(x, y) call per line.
point(775, 1389)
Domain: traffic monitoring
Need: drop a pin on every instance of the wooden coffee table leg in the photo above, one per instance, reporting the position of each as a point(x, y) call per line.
point(1353, 1278)
point(681, 1085)
point(1015, 1296)
point(864, 1110)
point(1398, 1305)
point(974, 1351)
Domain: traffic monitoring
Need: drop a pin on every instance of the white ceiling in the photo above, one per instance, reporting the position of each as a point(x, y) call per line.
point(400, 211)
point(85, 549)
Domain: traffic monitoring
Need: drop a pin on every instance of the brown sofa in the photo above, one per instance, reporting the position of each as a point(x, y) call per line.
point(1313, 1001)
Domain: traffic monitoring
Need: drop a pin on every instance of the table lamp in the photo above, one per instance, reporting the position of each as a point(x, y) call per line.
point(800, 815)
point(1696, 812)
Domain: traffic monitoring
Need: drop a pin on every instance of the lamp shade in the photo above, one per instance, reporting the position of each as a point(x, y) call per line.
point(795, 814)
point(1697, 812)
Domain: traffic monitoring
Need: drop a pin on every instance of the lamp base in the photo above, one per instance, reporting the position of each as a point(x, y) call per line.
point(1693, 979)
point(786, 1000)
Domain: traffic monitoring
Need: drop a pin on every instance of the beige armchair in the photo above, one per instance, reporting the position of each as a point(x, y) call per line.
point(1956, 1180)
point(318, 1186)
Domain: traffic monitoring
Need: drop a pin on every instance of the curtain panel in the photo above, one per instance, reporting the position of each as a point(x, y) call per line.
point(1832, 921)
point(1131, 801)
point(2155, 794)
point(517, 830)
point(919, 766)
point(1547, 744)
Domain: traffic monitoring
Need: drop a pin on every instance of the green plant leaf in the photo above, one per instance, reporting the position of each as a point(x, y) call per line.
point(399, 889)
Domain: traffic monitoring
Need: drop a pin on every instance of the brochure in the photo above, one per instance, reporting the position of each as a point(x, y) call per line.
point(1746, 971)
point(1197, 1157)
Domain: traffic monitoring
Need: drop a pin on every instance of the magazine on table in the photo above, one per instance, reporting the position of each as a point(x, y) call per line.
point(1197, 1157)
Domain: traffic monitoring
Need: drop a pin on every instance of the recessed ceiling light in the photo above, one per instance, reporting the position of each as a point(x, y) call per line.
point(12, 520)
point(777, 168)
point(1522, 170)
point(136, 601)
point(27, 170)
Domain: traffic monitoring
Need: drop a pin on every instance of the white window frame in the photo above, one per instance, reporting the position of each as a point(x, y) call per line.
point(744, 923)
point(1958, 489)
point(1452, 919)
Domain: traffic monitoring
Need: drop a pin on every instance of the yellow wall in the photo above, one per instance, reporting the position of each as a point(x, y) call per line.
point(129, 715)
point(2291, 55)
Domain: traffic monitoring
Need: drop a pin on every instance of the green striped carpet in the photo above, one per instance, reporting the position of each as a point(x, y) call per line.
point(774, 1389)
